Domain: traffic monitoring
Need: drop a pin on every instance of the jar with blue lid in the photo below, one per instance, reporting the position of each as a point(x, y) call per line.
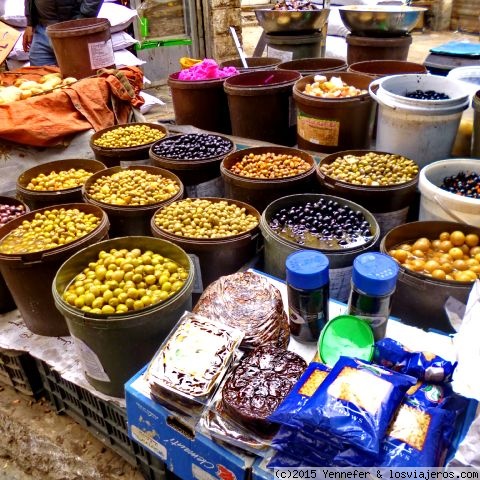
point(374, 279)
point(308, 293)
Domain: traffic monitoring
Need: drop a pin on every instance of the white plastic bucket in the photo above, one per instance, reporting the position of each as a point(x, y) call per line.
point(438, 204)
point(423, 130)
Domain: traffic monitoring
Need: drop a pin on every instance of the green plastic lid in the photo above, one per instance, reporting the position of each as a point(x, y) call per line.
point(347, 336)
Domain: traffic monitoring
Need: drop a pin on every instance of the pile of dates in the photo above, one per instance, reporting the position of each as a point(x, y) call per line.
point(295, 5)
point(324, 224)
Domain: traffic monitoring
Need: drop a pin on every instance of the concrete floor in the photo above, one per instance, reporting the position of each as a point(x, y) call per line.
point(38, 444)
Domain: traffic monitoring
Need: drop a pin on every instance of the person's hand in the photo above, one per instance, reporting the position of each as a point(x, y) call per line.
point(27, 38)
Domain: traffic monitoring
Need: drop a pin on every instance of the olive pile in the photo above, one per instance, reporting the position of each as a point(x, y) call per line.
point(120, 281)
point(133, 187)
point(374, 169)
point(193, 146)
point(452, 256)
point(270, 165)
point(129, 136)
point(49, 229)
point(9, 212)
point(324, 224)
point(464, 184)
point(203, 218)
point(71, 178)
point(427, 95)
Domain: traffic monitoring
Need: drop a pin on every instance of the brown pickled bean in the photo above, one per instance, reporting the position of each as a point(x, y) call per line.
point(120, 281)
point(133, 187)
point(270, 166)
point(74, 177)
point(202, 218)
point(49, 229)
point(373, 169)
point(129, 136)
point(452, 256)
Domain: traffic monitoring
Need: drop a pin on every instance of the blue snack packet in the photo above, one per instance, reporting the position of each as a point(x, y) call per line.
point(356, 403)
point(417, 437)
point(305, 387)
point(422, 365)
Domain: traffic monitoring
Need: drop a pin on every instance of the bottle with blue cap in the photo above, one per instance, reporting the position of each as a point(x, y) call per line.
point(374, 278)
point(308, 292)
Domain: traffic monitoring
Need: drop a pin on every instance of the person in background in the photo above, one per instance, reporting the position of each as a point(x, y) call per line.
point(40, 14)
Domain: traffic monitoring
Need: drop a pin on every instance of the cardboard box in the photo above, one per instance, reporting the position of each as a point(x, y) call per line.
point(173, 439)
point(8, 39)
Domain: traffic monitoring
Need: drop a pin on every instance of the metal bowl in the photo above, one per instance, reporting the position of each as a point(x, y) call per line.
point(275, 21)
point(380, 21)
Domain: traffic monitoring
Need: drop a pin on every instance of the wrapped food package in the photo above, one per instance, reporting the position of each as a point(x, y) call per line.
point(249, 302)
point(258, 385)
point(191, 363)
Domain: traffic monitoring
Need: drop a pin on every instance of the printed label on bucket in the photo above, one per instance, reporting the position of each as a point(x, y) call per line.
point(388, 220)
point(101, 54)
point(317, 130)
point(340, 283)
point(90, 361)
point(212, 188)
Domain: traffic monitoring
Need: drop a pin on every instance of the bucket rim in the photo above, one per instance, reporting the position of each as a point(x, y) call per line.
point(229, 88)
point(72, 28)
point(372, 189)
point(108, 172)
point(173, 78)
point(264, 224)
point(457, 199)
point(120, 318)
point(387, 62)
point(206, 241)
point(417, 227)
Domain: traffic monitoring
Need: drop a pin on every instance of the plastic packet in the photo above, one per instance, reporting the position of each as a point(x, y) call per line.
point(207, 69)
point(422, 365)
point(356, 403)
point(283, 460)
point(249, 302)
point(306, 386)
point(190, 364)
point(258, 384)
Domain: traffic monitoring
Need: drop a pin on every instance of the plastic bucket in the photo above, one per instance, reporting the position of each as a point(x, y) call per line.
point(438, 204)
point(419, 300)
point(332, 124)
point(312, 66)
point(201, 178)
point(201, 103)
point(382, 68)
point(214, 258)
point(254, 63)
point(476, 125)
point(261, 107)
point(277, 249)
point(423, 130)
point(113, 348)
point(29, 276)
point(38, 199)
point(260, 192)
point(360, 49)
point(130, 219)
point(389, 204)
point(112, 157)
point(82, 46)
point(6, 300)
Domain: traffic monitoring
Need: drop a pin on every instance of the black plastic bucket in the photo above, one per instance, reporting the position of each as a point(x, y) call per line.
point(130, 219)
point(29, 276)
point(44, 198)
point(261, 106)
point(419, 300)
point(114, 347)
point(260, 192)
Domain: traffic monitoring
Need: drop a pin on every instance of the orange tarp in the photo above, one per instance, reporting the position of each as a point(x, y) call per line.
point(52, 118)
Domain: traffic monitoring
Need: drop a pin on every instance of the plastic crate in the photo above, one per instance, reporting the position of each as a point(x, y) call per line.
point(19, 370)
point(106, 421)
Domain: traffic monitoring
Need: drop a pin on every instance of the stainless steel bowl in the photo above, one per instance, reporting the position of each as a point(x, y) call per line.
point(380, 21)
point(275, 21)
